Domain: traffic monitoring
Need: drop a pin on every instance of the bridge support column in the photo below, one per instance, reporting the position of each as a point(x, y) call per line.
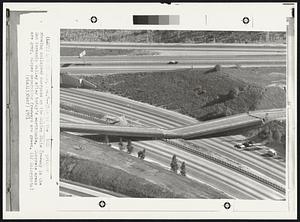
point(121, 144)
point(106, 139)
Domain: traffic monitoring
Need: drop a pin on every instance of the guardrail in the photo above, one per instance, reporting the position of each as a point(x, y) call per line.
point(225, 164)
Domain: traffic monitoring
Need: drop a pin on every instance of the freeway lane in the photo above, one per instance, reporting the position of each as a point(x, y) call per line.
point(162, 64)
point(77, 189)
point(129, 106)
point(123, 102)
point(211, 171)
point(214, 144)
point(220, 126)
point(64, 118)
point(164, 59)
point(113, 65)
point(187, 55)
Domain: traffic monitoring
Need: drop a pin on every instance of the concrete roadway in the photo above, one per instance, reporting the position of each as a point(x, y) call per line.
point(233, 183)
point(70, 188)
point(205, 171)
point(176, 46)
point(205, 129)
point(115, 65)
point(188, 56)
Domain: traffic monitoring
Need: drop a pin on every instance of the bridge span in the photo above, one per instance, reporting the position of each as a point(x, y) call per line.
point(230, 125)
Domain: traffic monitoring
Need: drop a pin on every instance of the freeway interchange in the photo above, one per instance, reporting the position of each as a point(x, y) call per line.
point(230, 181)
point(210, 156)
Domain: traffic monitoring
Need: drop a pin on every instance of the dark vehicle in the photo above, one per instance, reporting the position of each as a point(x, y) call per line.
point(248, 144)
point(239, 146)
point(172, 62)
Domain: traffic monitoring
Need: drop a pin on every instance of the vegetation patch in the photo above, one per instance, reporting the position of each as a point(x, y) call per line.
point(201, 93)
point(68, 51)
point(261, 76)
point(171, 36)
point(272, 134)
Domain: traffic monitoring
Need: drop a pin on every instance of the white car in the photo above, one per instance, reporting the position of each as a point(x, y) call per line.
point(272, 152)
point(239, 146)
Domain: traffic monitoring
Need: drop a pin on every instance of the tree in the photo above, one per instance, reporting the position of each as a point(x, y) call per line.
point(233, 93)
point(174, 164)
point(182, 169)
point(277, 135)
point(121, 145)
point(228, 111)
point(129, 147)
point(283, 138)
point(270, 136)
point(142, 154)
point(217, 67)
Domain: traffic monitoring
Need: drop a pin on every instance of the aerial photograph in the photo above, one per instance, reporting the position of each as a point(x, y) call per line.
point(173, 114)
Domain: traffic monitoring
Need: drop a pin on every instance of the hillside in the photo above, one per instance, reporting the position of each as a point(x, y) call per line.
point(171, 36)
point(201, 93)
point(104, 52)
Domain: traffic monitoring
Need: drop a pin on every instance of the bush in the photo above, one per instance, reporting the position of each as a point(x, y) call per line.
point(217, 68)
point(182, 169)
point(142, 154)
point(233, 93)
point(129, 147)
point(174, 164)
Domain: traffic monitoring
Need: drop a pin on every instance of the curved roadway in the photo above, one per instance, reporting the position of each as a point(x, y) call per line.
point(233, 183)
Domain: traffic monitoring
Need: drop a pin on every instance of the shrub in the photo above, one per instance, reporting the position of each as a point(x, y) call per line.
point(174, 164)
point(182, 169)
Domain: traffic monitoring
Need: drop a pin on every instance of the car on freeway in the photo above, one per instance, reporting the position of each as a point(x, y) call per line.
point(271, 153)
point(172, 62)
point(239, 146)
point(248, 143)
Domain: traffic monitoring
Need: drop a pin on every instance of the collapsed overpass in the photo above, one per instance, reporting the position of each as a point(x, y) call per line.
point(230, 125)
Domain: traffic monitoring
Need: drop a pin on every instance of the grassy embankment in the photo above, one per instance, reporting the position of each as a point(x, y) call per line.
point(200, 93)
point(170, 36)
point(65, 51)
